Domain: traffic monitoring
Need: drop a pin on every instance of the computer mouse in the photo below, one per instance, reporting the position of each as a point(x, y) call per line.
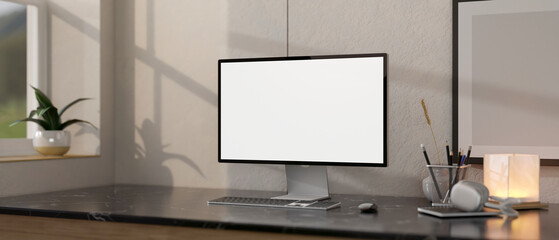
point(368, 207)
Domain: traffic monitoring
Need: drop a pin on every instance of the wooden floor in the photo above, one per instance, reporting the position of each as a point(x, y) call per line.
point(24, 227)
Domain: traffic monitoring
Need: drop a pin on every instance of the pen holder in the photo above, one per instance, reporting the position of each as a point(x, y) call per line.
point(445, 177)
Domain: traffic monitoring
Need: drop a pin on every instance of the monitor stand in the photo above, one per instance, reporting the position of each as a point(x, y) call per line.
point(306, 183)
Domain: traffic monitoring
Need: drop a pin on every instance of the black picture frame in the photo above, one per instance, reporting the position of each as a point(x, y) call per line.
point(455, 87)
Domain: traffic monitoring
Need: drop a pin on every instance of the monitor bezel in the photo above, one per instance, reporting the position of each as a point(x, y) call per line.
point(296, 58)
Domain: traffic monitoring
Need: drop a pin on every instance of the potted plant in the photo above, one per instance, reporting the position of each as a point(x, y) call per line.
point(52, 140)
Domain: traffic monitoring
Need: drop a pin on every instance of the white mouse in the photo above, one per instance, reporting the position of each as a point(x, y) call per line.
point(368, 207)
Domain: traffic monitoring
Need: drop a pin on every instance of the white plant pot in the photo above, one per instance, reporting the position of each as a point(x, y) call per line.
point(53, 142)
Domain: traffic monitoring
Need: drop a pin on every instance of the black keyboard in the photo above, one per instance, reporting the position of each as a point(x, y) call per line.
point(275, 203)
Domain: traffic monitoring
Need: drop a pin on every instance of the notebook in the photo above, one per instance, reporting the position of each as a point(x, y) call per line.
point(451, 212)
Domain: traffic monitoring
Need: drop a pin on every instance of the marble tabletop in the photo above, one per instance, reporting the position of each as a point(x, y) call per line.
point(397, 217)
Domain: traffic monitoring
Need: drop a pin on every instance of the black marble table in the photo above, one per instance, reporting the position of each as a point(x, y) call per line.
point(397, 217)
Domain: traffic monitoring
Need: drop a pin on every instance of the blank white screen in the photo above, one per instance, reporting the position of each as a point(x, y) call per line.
point(327, 110)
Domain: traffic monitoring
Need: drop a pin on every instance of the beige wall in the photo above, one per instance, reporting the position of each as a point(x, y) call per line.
point(166, 88)
point(74, 60)
point(166, 103)
point(77, 68)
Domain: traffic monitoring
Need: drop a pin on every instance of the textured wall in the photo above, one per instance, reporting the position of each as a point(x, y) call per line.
point(75, 67)
point(166, 103)
point(166, 66)
point(78, 67)
point(416, 36)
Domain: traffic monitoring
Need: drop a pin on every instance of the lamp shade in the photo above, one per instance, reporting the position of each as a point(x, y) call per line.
point(512, 175)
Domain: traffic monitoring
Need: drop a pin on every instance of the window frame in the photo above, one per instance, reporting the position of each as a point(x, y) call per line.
point(37, 72)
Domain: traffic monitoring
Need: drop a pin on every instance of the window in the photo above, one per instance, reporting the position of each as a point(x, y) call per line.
point(13, 68)
point(16, 98)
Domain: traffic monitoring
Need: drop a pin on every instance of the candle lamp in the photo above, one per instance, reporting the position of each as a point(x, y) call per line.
point(513, 175)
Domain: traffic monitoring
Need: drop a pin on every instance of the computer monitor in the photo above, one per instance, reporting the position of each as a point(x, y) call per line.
point(306, 112)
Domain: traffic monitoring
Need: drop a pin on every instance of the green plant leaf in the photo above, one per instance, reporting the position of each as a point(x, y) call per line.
point(32, 113)
point(52, 118)
point(40, 122)
point(42, 98)
point(69, 105)
point(72, 121)
point(51, 114)
point(42, 112)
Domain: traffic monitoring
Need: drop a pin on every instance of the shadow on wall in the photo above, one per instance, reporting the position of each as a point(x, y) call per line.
point(144, 161)
point(86, 129)
point(91, 32)
point(152, 156)
point(240, 42)
point(161, 68)
point(153, 153)
point(74, 21)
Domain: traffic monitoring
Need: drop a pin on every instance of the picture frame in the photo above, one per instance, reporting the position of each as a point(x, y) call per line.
point(505, 67)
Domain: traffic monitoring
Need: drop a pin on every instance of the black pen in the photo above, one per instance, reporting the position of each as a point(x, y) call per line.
point(448, 158)
point(425, 154)
point(450, 177)
point(468, 156)
point(431, 171)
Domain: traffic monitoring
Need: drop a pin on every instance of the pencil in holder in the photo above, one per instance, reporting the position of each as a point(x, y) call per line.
point(438, 185)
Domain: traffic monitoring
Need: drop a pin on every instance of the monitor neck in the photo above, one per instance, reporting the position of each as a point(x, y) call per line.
point(306, 183)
